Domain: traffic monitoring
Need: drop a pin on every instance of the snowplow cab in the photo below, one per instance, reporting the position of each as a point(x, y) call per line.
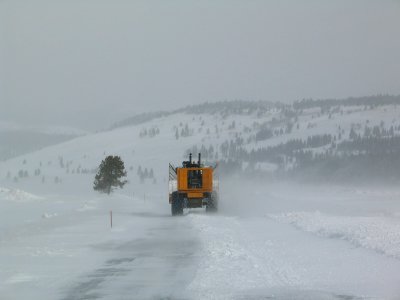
point(191, 186)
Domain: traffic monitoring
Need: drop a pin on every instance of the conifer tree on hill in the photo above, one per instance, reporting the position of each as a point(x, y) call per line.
point(110, 175)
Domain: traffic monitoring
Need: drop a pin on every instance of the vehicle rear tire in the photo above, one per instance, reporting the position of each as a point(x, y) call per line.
point(212, 205)
point(176, 205)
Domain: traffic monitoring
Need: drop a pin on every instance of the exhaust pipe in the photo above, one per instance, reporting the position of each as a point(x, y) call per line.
point(190, 158)
point(199, 159)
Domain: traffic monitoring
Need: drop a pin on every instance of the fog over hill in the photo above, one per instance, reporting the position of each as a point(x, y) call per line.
point(17, 139)
point(67, 61)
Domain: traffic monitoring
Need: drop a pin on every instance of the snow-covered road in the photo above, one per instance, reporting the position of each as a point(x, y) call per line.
point(156, 266)
point(63, 248)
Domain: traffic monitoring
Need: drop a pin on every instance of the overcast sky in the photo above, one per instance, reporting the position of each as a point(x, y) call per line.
point(88, 62)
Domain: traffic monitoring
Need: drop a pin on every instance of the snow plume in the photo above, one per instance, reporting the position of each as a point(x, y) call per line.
point(380, 234)
point(17, 195)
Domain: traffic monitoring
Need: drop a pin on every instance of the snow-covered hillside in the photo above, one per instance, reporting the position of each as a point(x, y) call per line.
point(260, 138)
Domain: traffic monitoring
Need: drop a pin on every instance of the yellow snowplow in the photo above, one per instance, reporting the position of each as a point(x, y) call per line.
point(192, 185)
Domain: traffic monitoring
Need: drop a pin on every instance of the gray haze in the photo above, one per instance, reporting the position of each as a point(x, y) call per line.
point(89, 63)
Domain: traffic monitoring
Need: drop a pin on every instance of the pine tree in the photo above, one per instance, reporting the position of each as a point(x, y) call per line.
point(110, 175)
point(352, 134)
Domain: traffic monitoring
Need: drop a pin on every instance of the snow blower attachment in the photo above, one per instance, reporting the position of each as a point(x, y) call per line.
point(192, 185)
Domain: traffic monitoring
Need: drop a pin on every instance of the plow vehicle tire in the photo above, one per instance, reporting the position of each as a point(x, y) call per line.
point(176, 204)
point(212, 205)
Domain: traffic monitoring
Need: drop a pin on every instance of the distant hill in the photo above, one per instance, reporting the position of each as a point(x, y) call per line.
point(372, 101)
point(238, 107)
point(21, 141)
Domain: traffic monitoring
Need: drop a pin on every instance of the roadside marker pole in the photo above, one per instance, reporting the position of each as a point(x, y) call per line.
point(111, 218)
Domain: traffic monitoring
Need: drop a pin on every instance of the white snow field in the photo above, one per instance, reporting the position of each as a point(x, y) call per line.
point(64, 248)
point(270, 240)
